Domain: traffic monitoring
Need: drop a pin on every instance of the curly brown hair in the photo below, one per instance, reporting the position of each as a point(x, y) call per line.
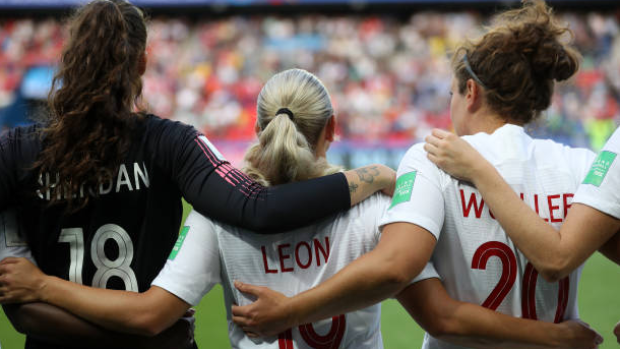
point(93, 96)
point(517, 61)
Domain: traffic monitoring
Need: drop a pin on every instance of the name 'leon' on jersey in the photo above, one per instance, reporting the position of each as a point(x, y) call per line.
point(121, 238)
point(476, 260)
point(290, 263)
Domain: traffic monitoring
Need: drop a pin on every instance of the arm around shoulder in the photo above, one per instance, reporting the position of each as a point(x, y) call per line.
point(584, 231)
point(471, 325)
point(48, 323)
point(367, 180)
point(402, 252)
point(611, 249)
point(145, 313)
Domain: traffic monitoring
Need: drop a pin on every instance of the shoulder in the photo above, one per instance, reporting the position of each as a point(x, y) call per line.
point(160, 127)
point(167, 138)
point(23, 143)
point(561, 155)
point(201, 224)
point(202, 230)
point(28, 134)
point(415, 153)
point(580, 154)
point(360, 222)
point(613, 144)
point(551, 146)
point(415, 158)
point(495, 147)
point(415, 164)
point(377, 202)
point(197, 221)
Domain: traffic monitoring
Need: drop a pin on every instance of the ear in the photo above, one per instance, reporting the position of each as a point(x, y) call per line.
point(142, 60)
point(473, 97)
point(257, 128)
point(330, 129)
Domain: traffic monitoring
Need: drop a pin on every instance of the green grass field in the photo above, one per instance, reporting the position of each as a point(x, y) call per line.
point(599, 301)
point(598, 298)
point(599, 306)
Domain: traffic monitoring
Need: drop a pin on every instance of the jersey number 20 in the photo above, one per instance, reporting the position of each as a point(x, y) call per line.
point(106, 268)
point(509, 276)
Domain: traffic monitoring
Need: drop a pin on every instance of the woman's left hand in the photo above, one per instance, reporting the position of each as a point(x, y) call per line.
point(20, 281)
point(267, 316)
point(454, 155)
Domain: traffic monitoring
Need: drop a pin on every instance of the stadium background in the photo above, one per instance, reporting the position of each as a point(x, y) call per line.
point(385, 65)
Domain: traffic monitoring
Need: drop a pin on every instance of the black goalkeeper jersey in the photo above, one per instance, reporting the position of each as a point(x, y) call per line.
point(122, 238)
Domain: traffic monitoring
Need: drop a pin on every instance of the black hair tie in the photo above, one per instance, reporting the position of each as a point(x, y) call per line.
point(285, 111)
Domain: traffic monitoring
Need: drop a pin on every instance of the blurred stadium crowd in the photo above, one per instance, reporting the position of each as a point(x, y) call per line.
point(389, 77)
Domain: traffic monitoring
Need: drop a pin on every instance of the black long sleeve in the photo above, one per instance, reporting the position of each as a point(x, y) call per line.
point(202, 176)
point(220, 191)
point(19, 148)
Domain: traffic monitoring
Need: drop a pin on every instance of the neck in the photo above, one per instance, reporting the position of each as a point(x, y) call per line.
point(487, 122)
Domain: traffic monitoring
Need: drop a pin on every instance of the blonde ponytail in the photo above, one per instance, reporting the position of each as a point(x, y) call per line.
point(285, 151)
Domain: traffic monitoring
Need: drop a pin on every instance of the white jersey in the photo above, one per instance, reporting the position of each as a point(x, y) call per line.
point(477, 262)
point(601, 187)
point(12, 243)
point(289, 263)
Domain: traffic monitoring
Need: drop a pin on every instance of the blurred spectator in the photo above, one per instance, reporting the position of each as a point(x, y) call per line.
point(389, 78)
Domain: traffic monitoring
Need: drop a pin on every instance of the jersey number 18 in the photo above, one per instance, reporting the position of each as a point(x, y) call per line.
point(106, 268)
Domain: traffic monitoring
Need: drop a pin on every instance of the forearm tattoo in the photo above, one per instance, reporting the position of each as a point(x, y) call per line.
point(368, 174)
point(353, 187)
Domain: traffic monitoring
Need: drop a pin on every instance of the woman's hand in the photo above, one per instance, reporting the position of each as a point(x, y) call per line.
point(579, 335)
point(267, 316)
point(454, 155)
point(20, 281)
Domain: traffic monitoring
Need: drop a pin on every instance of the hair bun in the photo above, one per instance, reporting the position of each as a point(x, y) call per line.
point(555, 61)
point(518, 59)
